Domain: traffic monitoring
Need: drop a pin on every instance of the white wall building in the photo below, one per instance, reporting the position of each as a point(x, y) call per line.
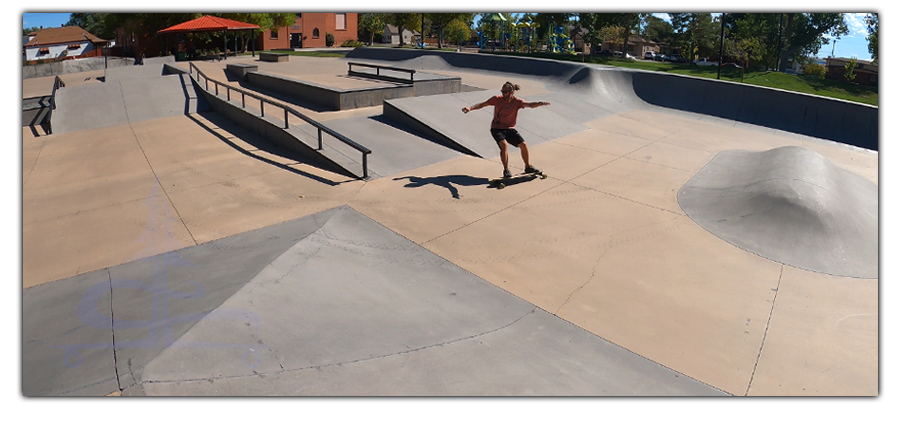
point(68, 41)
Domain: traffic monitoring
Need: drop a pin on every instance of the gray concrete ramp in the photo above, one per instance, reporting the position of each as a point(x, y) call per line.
point(394, 148)
point(356, 309)
point(791, 205)
point(123, 101)
point(441, 118)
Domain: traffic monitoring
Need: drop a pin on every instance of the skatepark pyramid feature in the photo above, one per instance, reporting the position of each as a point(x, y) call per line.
point(790, 205)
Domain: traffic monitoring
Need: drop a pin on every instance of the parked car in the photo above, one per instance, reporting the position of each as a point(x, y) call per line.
point(735, 65)
point(617, 54)
point(661, 57)
point(705, 62)
point(649, 55)
point(629, 56)
point(675, 58)
point(605, 53)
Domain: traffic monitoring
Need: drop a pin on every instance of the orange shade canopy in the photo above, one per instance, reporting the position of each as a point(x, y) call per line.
point(208, 23)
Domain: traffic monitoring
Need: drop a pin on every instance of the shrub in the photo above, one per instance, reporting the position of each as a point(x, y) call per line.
point(814, 70)
point(329, 40)
point(352, 43)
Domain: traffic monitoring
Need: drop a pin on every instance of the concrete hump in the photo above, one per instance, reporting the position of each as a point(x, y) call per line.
point(790, 205)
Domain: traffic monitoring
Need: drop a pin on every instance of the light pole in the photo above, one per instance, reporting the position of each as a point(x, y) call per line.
point(721, 47)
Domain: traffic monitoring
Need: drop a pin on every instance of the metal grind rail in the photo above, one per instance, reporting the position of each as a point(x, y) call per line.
point(378, 69)
point(287, 112)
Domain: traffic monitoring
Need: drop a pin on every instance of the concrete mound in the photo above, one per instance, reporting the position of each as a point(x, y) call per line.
point(790, 205)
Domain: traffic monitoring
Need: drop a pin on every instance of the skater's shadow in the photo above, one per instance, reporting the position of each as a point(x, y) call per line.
point(449, 182)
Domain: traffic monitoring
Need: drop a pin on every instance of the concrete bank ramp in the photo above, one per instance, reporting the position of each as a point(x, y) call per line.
point(330, 304)
point(125, 100)
point(354, 309)
point(441, 119)
point(790, 205)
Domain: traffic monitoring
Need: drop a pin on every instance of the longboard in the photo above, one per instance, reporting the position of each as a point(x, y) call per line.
point(502, 182)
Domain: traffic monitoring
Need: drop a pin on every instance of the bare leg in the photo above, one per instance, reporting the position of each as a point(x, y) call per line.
point(504, 154)
point(524, 149)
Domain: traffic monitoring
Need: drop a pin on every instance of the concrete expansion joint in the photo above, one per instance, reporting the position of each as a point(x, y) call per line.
point(762, 344)
point(354, 361)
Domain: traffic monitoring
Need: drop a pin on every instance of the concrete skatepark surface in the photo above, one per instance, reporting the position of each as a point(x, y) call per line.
point(226, 266)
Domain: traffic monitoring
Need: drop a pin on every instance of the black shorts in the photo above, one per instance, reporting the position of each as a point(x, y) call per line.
point(510, 135)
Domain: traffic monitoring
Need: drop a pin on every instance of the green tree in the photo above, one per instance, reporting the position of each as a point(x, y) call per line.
point(441, 21)
point(459, 29)
point(371, 24)
point(695, 33)
point(595, 23)
point(872, 27)
point(849, 68)
point(805, 34)
point(147, 23)
point(93, 23)
point(765, 30)
point(659, 30)
point(26, 31)
point(631, 24)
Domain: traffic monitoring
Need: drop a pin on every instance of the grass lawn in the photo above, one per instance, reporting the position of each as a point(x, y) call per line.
point(775, 80)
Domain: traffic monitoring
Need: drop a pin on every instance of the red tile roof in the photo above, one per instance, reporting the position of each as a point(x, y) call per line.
point(62, 35)
point(208, 23)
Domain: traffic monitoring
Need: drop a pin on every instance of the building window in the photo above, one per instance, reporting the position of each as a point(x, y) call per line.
point(273, 34)
point(44, 50)
point(316, 33)
point(74, 46)
point(340, 22)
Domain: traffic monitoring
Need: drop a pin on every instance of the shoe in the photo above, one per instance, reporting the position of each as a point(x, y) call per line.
point(506, 174)
point(532, 170)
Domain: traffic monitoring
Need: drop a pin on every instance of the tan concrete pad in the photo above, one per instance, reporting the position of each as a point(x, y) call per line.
point(822, 339)
point(87, 189)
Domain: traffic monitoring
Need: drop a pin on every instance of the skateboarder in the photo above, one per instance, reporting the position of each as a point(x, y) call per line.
point(503, 126)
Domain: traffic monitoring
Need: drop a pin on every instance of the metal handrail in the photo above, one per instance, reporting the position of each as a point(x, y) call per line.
point(287, 111)
point(57, 84)
point(378, 68)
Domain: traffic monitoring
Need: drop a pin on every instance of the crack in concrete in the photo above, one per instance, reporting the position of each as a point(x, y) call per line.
point(355, 361)
point(765, 333)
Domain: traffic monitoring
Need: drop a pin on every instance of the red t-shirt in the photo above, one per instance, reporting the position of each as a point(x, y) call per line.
point(505, 112)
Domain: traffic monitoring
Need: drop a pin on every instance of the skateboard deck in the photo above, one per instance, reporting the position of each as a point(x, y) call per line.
point(503, 182)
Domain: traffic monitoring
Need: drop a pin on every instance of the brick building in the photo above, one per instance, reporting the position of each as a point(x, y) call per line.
point(309, 30)
point(866, 72)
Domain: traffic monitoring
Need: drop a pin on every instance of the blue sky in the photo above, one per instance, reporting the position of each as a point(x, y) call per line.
point(852, 45)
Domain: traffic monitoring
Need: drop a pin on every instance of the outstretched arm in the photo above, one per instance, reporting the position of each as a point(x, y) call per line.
point(536, 104)
point(475, 107)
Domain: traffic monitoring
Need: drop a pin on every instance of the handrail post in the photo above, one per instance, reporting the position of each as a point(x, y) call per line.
point(262, 108)
point(243, 100)
point(320, 138)
point(365, 165)
point(286, 124)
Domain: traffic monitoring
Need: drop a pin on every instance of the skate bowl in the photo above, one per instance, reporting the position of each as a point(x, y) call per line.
point(825, 118)
point(790, 205)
